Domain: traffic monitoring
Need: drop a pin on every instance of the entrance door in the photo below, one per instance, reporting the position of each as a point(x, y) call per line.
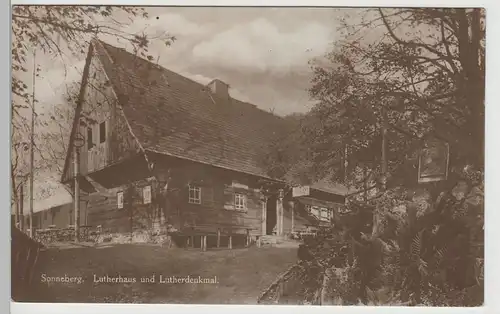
point(270, 215)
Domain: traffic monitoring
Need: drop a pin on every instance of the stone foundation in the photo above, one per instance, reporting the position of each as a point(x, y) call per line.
point(97, 236)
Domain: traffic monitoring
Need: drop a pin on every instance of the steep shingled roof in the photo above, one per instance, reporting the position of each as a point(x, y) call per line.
point(174, 115)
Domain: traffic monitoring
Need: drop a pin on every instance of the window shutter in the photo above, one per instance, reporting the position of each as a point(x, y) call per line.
point(207, 197)
point(146, 194)
point(103, 130)
point(90, 139)
point(95, 133)
point(119, 200)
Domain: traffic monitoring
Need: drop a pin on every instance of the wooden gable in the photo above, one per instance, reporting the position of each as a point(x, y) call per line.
point(100, 121)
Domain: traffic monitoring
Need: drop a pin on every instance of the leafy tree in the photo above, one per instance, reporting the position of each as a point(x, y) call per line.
point(58, 32)
point(399, 77)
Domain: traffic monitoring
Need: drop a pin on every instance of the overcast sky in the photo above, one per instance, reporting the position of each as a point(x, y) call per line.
point(262, 53)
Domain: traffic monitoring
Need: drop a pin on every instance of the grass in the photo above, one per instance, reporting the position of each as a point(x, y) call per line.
point(242, 274)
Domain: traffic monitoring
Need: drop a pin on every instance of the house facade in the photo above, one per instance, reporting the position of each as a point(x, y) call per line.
point(61, 216)
point(162, 151)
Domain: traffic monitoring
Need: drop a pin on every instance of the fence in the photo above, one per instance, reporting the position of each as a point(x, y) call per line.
point(295, 286)
point(24, 256)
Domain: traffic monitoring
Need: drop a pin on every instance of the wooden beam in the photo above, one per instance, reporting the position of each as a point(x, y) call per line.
point(264, 216)
point(33, 266)
point(27, 267)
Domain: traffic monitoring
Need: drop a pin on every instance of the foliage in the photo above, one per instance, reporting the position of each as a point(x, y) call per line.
point(430, 255)
point(419, 72)
point(56, 29)
point(57, 32)
point(400, 76)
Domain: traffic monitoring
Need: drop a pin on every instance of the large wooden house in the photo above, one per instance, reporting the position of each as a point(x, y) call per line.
point(164, 151)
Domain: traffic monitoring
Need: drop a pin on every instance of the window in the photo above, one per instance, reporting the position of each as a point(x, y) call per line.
point(102, 132)
point(325, 213)
point(90, 142)
point(194, 194)
point(239, 201)
point(322, 213)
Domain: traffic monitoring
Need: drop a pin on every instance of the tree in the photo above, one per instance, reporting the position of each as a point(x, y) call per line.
point(57, 31)
point(404, 76)
point(425, 70)
point(55, 128)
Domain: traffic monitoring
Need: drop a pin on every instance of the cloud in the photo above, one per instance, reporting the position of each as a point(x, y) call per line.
point(262, 46)
point(52, 84)
point(173, 24)
point(204, 80)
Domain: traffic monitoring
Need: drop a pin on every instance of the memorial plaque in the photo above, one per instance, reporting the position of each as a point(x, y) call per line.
point(433, 162)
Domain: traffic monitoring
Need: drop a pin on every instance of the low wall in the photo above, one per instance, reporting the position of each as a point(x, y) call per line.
point(96, 235)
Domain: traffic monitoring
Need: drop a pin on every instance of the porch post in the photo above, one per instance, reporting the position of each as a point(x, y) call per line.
point(218, 238)
point(264, 216)
point(278, 216)
point(248, 238)
point(279, 212)
point(203, 243)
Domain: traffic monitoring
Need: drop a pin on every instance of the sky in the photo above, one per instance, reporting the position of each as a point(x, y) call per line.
point(262, 53)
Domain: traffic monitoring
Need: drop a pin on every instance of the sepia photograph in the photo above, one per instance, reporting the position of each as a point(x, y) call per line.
point(326, 156)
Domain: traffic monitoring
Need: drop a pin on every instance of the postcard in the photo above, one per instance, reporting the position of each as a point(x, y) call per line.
point(248, 155)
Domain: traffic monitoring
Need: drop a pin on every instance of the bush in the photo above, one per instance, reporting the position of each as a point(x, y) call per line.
point(421, 251)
